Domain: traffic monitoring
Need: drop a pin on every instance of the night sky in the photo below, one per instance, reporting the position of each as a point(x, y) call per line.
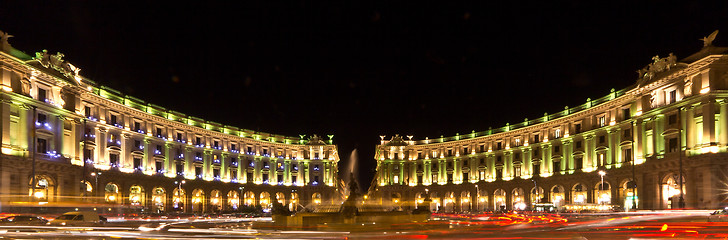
point(361, 69)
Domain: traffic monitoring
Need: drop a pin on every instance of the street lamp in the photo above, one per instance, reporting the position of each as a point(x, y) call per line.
point(477, 200)
point(96, 184)
point(601, 186)
point(179, 191)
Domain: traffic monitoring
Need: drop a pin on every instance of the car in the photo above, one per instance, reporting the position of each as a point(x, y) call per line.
point(78, 218)
point(23, 220)
point(719, 216)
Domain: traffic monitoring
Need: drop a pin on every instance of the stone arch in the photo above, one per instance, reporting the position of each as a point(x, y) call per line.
point(295, 201)
point(198, 200)
point(112, 193)
point(249, 197)
point(316, 198)
point(536, 195)
point(579, 193)
point(137, 196)
point(518, 200)
point(603, 192)
point(265, 201)
point(670, 190)
point(281, 198)
point(179, 199)
point(215, 200)
point(233, 199)
point(45, 188)
point(499, 199)
point(448, 202)
point(465, 201)
point(628, 194)
point(557, 195)
point(158, 199)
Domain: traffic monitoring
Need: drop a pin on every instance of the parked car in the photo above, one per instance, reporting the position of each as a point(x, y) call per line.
point(78, 218)
point(23, 220)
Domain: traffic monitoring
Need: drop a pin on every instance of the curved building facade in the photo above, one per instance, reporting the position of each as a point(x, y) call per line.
point(66, 140)
point(626, 149)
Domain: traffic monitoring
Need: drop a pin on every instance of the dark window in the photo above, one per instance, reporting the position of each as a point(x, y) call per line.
point(602, 139)
point(536, 170)
point(137, 144)
point(625, 113)
point(627, 155)
point(396, 155)
point(137, 163)
point(42, 145)
point(112, 119)
point(316, 179)
point(482, 148)
point(517, 171)
point(233, 147)
point(672, 119)
point(233, 174)
point(557, 148)
point(499, 145)
point(250, 149)
point(465, 163)
point(249, 176)
point(498, 159)
point(280, 178)
point(265, 177)
point(672, 143)
point(419, 155)
point(198, 141)
point(465, 151)
point(465, 177)
point(114, 159)
point(158, 166)
point(557, 166)
point(216, 173)
point(216, 144)
point(137, 126)
point(87, 154)
point(535, 152)
point(449, 152)
point(179, 136)
point(577, 128)
point(294, 179)
point(536, 138)
point(42, 118)
point(578, 163)
point(180, 169)
point(627, 133)
point(87, 111)
point(673, 96)
point(159, 131)
point(449, 178)
point(159, 149)
point(517, 156)
point(41, 94)
point(419, 180)
point(482, 161)
point(198, 172)
point(578, 144)
point(498, 174)
point(449, 165)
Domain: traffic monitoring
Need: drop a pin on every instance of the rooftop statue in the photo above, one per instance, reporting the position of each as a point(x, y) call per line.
point(658, 65)
point(4, 44)
point(56, 62)
point(708, 41)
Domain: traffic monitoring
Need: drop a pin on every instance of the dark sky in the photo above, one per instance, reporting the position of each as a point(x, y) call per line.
point(362, 69)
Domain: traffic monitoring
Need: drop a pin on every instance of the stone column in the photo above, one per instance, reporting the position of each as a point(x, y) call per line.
point(100, 151)
point(709, 121)
point(722, 124)
point(690, 128)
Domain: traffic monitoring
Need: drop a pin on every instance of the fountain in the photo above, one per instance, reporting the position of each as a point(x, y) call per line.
point(353, 211)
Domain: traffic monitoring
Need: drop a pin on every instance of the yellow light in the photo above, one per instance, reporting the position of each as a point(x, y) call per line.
point(705, 90)
point(638, 113)
point(215, 201)
point(7, 150)
point(135, 199)
point(157, 200)
point(39, 194)
point(612, 123)
point(112, 198)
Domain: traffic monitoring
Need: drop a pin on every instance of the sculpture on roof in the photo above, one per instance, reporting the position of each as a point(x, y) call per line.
point(658, 65)
point(4, 44)
point(56, 62)
point(708, 41)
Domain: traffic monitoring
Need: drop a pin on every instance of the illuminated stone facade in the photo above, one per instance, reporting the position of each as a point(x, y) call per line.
point(557, 158)
point(95, 145)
